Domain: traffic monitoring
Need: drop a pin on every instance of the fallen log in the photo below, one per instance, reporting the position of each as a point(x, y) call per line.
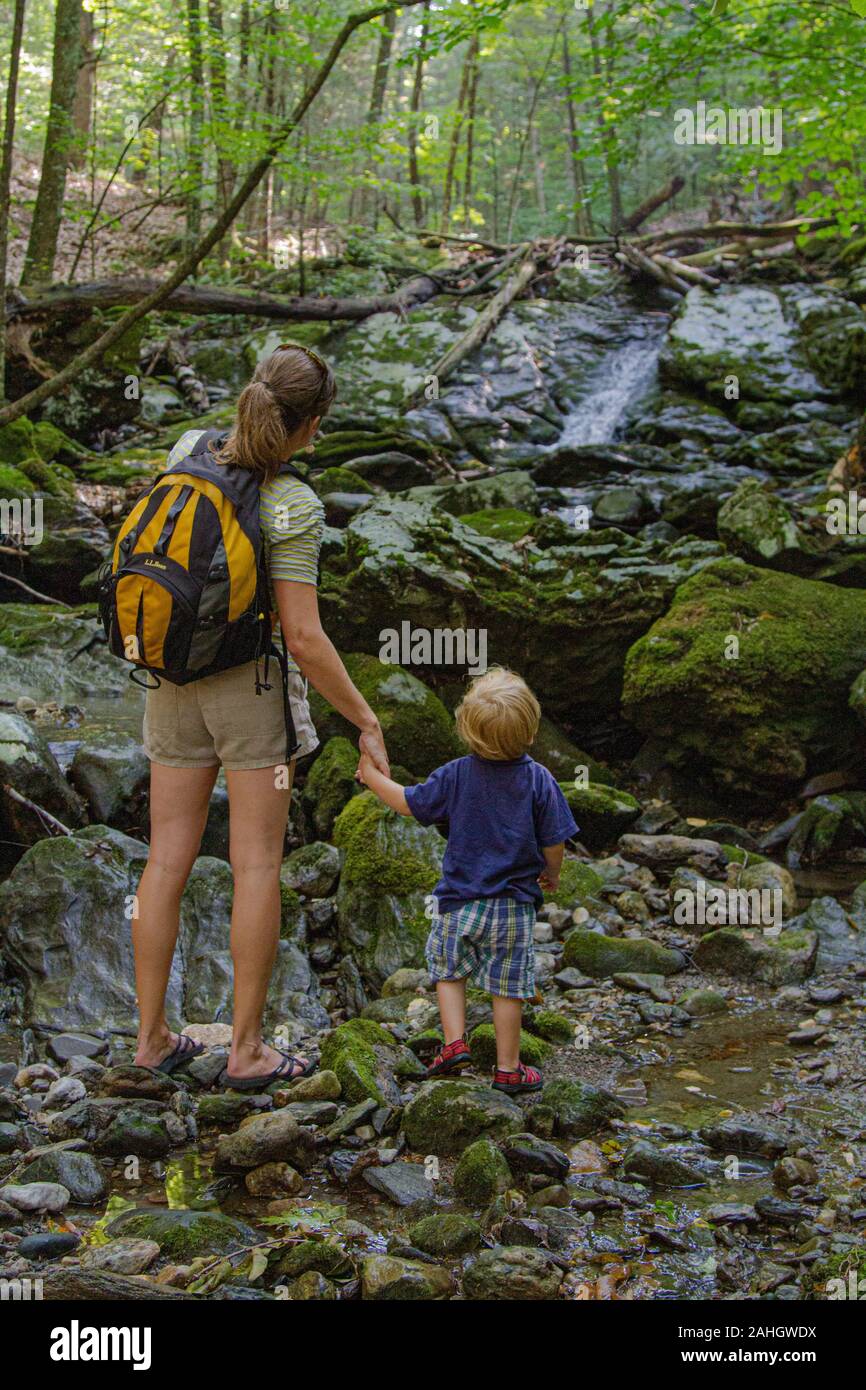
point(657, 241)
point(687, 272)
point(69, 1282)
point(475, 335)
point(646, 265)
point(649, 205)
point(191, 388)
point(205, 299)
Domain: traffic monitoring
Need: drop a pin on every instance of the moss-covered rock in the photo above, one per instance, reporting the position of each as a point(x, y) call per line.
point(418, 730)
point(17, 441)
point(502, 523)
point(329, 785)
point(580, 1110)
point(554, 750)
point(481, 1173)
point(602, 956)
point(391, 866)
point(512, 1272)
point(577, 883)
point(602, 813)
point(339, 480)
point(786, 959)
point(446, 1233)
point(756, 524)
point(364, 1057)
point(181, 1235)
point(749, 674)
point(387, 1278)
point(482, 1044)
point(828, 827)
point(444, 1117)
point(548, 1024)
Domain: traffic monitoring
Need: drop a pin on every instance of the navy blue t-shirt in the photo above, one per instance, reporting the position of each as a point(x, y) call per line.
point(498, 816)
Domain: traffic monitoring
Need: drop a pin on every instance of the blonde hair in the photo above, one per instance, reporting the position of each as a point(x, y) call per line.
point(498, 716)
point(288, 388)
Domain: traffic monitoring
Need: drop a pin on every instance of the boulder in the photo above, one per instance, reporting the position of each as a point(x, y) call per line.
point(79, 1173)
point(390, 868)
point(786, 959)
point(757, 525)
point(182, 1235)
point(512, 1272)
point(748, 675)
point(29, 768)
point(444, 1117)
point(580, 1110)
point(840, 934)
point(482, 1173)
point(602, 813)
point(273, 1138)
point(386, 1277)
point(329, 785)
point(54, 654)
point(113, 775)
point(602, 956)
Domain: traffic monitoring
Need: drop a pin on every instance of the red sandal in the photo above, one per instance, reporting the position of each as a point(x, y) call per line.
point(452, 1057)
point(514, 1083)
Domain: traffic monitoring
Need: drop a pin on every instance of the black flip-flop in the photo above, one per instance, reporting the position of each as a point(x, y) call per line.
point(280, 1073)
point(181, 1054)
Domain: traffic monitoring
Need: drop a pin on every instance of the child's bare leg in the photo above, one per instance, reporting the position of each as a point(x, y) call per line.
point(507, 1014)
point(452, 1008)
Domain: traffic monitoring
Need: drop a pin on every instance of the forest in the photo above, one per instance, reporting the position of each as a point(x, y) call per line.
point(591, 279)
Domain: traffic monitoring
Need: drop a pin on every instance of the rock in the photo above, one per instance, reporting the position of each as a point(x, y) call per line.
point(312, 870)
point(74, 544)
point(770, 878)
point(36, 1196)
point(731, 1214)
point(66, 1091)
point(402, 1183)
point(351, 1119)
point(646, 1162)
point(405, 980)
point(322, 1085)
point(511, 1272)
point(60, 911)
point(37, 647)
point(181, 1235)
point(580, 1110)
point(482, 1044)
point(525, 1153)
point(839, 943)
point(795, 646)
point(113, 777)
point(602, 813)
point(444, 1117)
point(743, 330)
point(391, 865)
point(744, 1134)
point(273, 1138)
point(312, 1286)
point(791, 1171)
point(78, 1173)
point(644, 984)
point(129, 1082)
point(446, 1233)
point(757, 526)
point(830, 826)
point(30, 1077)
point(274, 1180)
point(550, 1025)
point(701, 1003)
point(385, 1277)
point(329, 785)
point(63, 1046)
point(601, 956)
point(788, 958)
point(363, 1056)
point(29, 768)
point(482, 1173)
point(48, 1245)
point(121, 1256)
point(663, 853)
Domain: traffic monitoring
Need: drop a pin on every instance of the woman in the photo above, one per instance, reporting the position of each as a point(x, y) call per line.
point(190, 730)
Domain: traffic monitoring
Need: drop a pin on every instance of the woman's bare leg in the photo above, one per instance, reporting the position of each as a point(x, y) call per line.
point(179, 798)
point(258, 814)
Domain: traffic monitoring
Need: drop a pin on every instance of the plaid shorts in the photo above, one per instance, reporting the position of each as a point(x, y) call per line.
point(488, 941)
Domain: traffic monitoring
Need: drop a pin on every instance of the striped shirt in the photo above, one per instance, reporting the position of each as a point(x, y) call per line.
point(292, 521)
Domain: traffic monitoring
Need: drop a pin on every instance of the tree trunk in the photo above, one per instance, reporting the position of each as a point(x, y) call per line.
point(59, 139)
point(472, 107)
point(650, 204)
point(82, 107)
point(582, 214)
point(465, 78)
point(6, 174)
point(219, 102)
point(414, 113)
point(195, 148)
point(369, 200)
point(261, 217)
point(606, 131)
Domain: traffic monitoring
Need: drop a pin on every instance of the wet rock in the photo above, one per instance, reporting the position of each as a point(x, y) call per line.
point(322, 1085)
point(661, 1167)
point(743, 1134)
point(385, 1277)
point(644, 984)
point(48, 1245)
point(668, 852)
point(579, 1109)
point(830, 826)
point(602, 813)
point(731, 1214)
point(511, 1272)
point(181, 1235)
point(791, 1171)
point(364, 1057)
point(274, 1138)
point(525, 1153)
point(36, 1196)
point(124, 1255)
point(446, 1116)
point(114, 1126)
point(700, 1003)
point(64, 1046)
point(274, 1180)
point(29, 769)
point(777, 1212)
point(79, 1173)
point(603, 956)
point(839, 942)
point(113, 776)
point(136, 1083)
point(482, 1173)
point(785, 959)
point(230, 1108)
point(482, 1044)
point(66, 1091)
point(50, 654)
point(757, 526)
point(391, 864)
point(402, 1183)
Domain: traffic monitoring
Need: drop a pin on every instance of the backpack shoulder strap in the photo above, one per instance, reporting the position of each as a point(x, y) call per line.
point(288, 470)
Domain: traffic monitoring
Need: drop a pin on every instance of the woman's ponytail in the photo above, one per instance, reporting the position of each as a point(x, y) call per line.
point(288, 388)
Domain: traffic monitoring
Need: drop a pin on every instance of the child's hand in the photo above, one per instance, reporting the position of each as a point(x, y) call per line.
point(548, 881)
point(365, 767)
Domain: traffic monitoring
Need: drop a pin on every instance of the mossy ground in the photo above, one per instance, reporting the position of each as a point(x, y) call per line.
point(367, 863)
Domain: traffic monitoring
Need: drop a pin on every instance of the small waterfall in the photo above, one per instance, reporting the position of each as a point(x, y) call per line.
point(625, 376)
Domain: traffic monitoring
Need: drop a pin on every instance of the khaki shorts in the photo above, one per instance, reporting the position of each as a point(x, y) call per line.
point(221, 719)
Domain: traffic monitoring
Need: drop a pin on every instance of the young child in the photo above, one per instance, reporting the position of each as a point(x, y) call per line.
point(505, 819)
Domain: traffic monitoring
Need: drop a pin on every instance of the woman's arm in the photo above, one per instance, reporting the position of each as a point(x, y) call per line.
point(320, 662)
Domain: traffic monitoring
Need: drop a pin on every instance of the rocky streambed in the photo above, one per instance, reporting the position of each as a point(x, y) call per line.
point(629, 500)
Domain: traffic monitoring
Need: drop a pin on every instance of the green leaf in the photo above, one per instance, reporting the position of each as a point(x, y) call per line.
point(859, 7)
point(719, 7)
